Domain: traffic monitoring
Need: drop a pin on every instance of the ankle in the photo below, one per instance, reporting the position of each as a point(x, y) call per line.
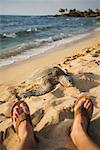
point(78, 130)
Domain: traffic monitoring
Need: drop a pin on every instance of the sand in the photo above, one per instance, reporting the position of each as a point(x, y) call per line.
point(52, 113)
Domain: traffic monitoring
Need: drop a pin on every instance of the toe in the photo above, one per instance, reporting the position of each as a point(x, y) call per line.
point(15, 115)
point(15, 111)
point(79, 104)
point(25, 108)
point(86, 103)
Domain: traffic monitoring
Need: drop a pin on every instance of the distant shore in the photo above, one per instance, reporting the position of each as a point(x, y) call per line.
point(77, 13)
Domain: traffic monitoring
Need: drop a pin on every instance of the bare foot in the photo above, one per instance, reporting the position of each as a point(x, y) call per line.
point(25, 131)
point(81, 121)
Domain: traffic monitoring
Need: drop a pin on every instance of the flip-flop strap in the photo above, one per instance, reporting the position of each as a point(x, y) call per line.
point(84, 112)
point(23, 116)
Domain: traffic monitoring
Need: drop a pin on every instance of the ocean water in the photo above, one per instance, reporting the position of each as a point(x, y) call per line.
point(22, 37)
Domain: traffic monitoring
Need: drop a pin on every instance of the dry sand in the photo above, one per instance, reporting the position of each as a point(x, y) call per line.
point(52, 113)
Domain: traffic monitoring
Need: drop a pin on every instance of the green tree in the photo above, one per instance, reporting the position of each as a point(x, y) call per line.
point(66, 9)
point(73, 12)
point(90, 10)
point(62, 11)
point(98, 11)
point(77, 13)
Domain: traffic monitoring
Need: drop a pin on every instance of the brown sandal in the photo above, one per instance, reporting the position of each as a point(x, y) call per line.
point(82, 110)
point(23, 116)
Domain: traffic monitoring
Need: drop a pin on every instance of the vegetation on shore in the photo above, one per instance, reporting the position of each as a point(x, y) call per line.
point(77, 13)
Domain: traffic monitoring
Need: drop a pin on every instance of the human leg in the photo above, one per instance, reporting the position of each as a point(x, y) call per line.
point(79, 133)
point(25, 132)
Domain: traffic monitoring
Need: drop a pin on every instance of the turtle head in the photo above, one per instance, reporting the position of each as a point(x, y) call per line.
point(65, 81)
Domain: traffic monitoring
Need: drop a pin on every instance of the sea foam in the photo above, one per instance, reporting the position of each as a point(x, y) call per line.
point(41, 49)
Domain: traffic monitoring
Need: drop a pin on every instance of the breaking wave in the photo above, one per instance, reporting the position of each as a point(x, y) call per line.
point(26, 32)
point(26, 50)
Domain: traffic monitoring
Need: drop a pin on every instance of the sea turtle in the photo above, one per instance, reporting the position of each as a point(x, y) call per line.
point(43, 82)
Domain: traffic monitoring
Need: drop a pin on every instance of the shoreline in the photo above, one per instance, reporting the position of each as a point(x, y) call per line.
point(32, 53)
point(26, 68)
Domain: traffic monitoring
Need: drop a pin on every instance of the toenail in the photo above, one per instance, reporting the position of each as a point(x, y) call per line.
point(16, 107)
point(83, 99)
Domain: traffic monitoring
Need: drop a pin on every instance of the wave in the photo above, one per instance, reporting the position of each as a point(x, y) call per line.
point(67, 19)
point(31, 45)
point(50, 27)
point(19, 33)
point(7, 35)
point(18, 49)
point(27, 50)
point(52, 39)
point(28, 31)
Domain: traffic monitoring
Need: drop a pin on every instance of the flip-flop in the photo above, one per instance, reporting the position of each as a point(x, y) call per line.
point(82, 110)
point(23, 116)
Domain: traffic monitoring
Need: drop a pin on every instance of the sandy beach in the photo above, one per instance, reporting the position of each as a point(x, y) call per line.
point(52, 113)
point(19, 72)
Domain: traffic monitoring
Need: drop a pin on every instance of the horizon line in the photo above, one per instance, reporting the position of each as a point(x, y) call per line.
point(45, 14)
